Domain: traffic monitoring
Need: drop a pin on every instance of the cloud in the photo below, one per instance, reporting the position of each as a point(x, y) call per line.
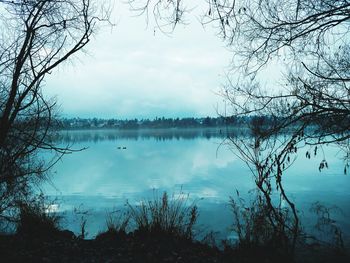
point(133, 72)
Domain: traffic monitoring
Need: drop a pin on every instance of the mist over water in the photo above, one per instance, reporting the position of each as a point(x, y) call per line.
point(136, 165)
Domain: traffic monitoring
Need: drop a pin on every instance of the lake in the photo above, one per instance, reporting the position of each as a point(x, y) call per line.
point(135, 165)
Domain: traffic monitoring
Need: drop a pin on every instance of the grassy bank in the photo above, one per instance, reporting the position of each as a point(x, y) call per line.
point(162, 232)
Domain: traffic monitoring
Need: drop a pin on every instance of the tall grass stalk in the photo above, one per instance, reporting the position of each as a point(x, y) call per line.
point(174, 215)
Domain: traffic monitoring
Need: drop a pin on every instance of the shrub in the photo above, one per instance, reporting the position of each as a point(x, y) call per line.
point(264, 228)
point(165, 216)
point(36, 219)
point(117, 223)
point(328, 230)
point(251, 223)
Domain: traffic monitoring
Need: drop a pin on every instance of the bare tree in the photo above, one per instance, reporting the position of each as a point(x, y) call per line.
point(311, 108)
point(309, 39)
point(165, 13)
point(36, 37)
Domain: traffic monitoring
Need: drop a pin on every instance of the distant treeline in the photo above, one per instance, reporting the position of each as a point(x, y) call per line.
point(157, 123)
point(181, 123)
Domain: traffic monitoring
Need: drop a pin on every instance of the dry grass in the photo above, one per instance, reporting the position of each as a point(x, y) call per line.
point(174, 215)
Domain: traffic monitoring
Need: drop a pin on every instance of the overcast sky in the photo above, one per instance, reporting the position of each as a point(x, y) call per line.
point(133, 71)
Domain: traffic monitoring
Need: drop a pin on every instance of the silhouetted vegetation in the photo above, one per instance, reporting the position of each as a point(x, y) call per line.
point(157, 123)
point(312, 108)
point(36, 220)
point(162, 215)
point(36, 37)
point(117, 223)
point(161, 231)
point(313, 104)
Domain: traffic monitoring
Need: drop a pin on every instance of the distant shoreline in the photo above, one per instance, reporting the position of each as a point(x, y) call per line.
point(160, 129)
point(157, 123)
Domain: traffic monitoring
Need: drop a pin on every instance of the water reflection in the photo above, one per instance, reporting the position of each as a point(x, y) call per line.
point(103, 176)
point(142, 134)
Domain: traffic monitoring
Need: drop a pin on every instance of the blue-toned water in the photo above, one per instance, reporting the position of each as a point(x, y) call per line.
point(102, 177)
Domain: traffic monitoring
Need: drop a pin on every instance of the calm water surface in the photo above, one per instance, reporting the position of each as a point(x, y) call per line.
point(102, 177)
